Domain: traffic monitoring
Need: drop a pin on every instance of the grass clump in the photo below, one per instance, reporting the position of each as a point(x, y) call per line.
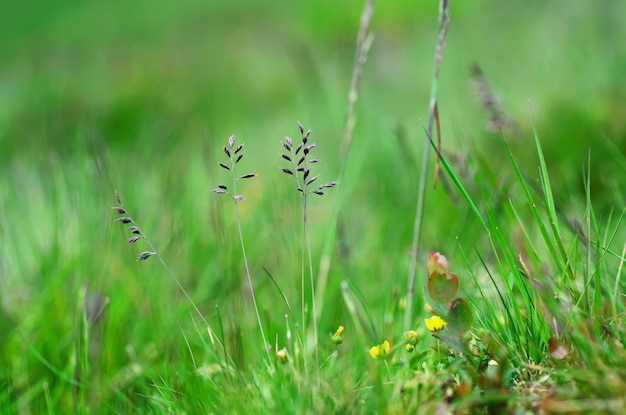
point(522, 308)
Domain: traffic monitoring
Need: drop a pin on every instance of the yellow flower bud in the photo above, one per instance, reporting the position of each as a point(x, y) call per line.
point(411, 338)
point(282, 355)
point(336, 338)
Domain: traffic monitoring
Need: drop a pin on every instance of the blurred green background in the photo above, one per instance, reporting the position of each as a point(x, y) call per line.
point(140, 97)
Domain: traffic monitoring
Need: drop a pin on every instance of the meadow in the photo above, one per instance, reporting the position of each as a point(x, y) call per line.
point(463, 257)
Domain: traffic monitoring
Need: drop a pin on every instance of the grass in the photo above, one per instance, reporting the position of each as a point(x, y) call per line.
point(233, 311)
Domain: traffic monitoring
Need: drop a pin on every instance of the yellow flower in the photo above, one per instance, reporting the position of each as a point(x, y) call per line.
point(435, 324)
point(282, 355)
point(381, 350)
point(410, 348)
point(339, 331)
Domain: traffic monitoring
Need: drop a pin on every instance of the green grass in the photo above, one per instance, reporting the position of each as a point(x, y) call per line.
point(141, 99)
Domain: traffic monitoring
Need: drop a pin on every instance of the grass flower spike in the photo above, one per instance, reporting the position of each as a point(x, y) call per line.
point(235, 156)
point(382, 350)
point(300, 164)
point(435, 324)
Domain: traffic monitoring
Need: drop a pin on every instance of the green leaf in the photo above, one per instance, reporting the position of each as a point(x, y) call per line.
point(459, 317)
point(440, 309)
point(453, 342)
point(442, 287)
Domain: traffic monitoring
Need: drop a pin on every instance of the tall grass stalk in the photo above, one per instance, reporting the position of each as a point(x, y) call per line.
point(306, 242)
point(618, 277)
point(364, 41)
point(249, 277)
point(235, 155)
point(300, 162)
point(81, 351)
point(444, 19)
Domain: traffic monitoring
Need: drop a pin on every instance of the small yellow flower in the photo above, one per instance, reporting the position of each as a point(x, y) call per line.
point(435, 324)
point(336, 338)
point(381, 350)
point(282, 355)
point(410, 348)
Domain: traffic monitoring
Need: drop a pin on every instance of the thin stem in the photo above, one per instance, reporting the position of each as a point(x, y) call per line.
point(302, 274)
point(212, 334)
point(121, 210)
point(245, 261)
point(302, 255)
point(618, 278)
point(305, 235)
point(363, 45)
point(245, 258)
point(306, 242)
point(444, 18)
point(417, 228)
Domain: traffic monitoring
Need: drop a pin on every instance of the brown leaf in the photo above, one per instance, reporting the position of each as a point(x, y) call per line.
point(556, 349)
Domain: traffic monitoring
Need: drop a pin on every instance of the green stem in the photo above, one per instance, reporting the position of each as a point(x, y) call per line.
point(266, 345)
point(444, 18)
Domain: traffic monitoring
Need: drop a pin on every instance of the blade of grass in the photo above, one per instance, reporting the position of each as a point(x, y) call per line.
point(492, 309)
point(363, 45)
point(444, 20)
point(549, 243)
point(549, 199)
point(510, 278)
point(596, 275)
point(346, 293)
point(616, 290)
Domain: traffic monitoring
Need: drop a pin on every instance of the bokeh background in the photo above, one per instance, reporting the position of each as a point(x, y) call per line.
point(140, 97)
